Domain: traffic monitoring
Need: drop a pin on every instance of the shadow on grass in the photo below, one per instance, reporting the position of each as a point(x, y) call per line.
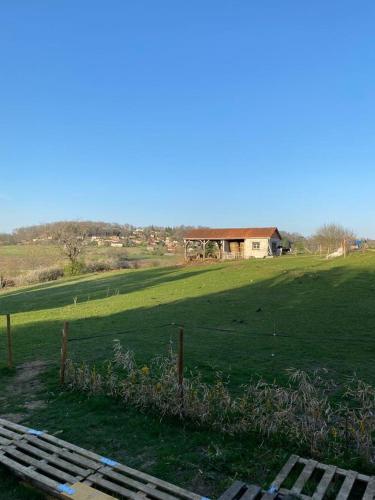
point(325, 318)
point(322, 318)
point(61, 293)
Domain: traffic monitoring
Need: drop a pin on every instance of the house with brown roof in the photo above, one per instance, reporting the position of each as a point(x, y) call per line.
point(234, 243)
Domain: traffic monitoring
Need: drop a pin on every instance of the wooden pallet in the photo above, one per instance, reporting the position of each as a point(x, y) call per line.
point(307, 480)
point(313, 480)
point(64, 470)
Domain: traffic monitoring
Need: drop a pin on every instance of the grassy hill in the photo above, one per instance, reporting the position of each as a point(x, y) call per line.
point(321, 311)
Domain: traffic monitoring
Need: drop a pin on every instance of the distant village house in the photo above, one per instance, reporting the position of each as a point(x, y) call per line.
point(234, 243)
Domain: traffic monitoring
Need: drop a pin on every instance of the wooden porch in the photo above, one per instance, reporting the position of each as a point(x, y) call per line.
point(225, 249)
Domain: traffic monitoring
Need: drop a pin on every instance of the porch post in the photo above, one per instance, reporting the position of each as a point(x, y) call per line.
point(220, 245)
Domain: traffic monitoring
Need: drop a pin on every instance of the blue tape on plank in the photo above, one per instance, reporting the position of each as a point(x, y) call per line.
point(205, 498)
point(65, 488)
point(34, 432)
point(273, 488)
point(108, 461)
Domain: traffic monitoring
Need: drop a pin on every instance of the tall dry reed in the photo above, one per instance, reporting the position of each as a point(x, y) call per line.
point(309, 410)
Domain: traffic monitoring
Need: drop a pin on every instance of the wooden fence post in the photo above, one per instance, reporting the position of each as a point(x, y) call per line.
point(64, 351)
point(10, 346)
point(180, 365)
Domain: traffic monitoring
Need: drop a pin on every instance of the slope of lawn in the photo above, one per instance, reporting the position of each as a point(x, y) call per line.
point(321, 311)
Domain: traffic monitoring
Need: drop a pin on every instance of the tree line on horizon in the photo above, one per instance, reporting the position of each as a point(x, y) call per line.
point(327, 238)
point(87, 229)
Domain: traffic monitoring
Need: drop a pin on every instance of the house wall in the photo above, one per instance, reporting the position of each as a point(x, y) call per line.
point(263, 251)
point(257, 253)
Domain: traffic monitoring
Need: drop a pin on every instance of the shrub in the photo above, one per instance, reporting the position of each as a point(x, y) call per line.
point(98, 267)
point(75, 268)
point(108, 265)
point(6, 282)
point(50, 274)
point(120, 262)
point(117, 262)
point(40, 275)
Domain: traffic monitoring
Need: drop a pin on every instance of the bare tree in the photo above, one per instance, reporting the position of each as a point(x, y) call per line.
point(330, 237)
point(71, 239)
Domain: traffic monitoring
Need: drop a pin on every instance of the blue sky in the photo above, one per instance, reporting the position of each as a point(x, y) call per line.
point(206, 112)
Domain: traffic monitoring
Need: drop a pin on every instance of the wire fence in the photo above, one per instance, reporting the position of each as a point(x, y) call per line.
point(189, 327)
point(247, 333)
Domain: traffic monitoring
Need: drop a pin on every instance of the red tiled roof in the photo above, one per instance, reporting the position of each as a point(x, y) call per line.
point(232, 233)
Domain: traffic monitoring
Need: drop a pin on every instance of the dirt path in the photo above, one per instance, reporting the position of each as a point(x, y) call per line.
point(22, 392)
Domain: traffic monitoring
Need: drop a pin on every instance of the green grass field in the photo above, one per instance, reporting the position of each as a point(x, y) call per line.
point(322, 310)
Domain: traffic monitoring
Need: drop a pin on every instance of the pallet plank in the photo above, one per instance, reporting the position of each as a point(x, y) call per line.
point(9, 434)
point(285, 492)
point(347, 485)
point(234, 491)
point(268, 496)
point(150, 490)
point(11, 425)
point(54, 459)
point(370, 490)
point(285, 471)
point(39, 480)
point(69, 446)
point(40, 465)
point(10, 430)
point(164, 485)
point(304, 477)
point(324, 483)
point(252, 492)
point(96, 479)
point(68, 455)
point(84, 492)
point(4, 441)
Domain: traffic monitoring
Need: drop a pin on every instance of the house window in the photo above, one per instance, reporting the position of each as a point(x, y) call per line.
point(256, 245)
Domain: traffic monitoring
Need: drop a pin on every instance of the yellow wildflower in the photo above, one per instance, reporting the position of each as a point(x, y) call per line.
point(145, 370)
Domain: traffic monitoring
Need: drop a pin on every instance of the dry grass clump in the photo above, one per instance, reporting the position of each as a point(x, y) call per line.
point(40, 275)
point(310, 410)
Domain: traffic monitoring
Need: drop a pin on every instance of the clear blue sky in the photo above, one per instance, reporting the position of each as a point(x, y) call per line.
point(211, 112)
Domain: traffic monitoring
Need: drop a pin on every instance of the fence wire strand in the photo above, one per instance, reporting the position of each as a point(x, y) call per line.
point(275, 334)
